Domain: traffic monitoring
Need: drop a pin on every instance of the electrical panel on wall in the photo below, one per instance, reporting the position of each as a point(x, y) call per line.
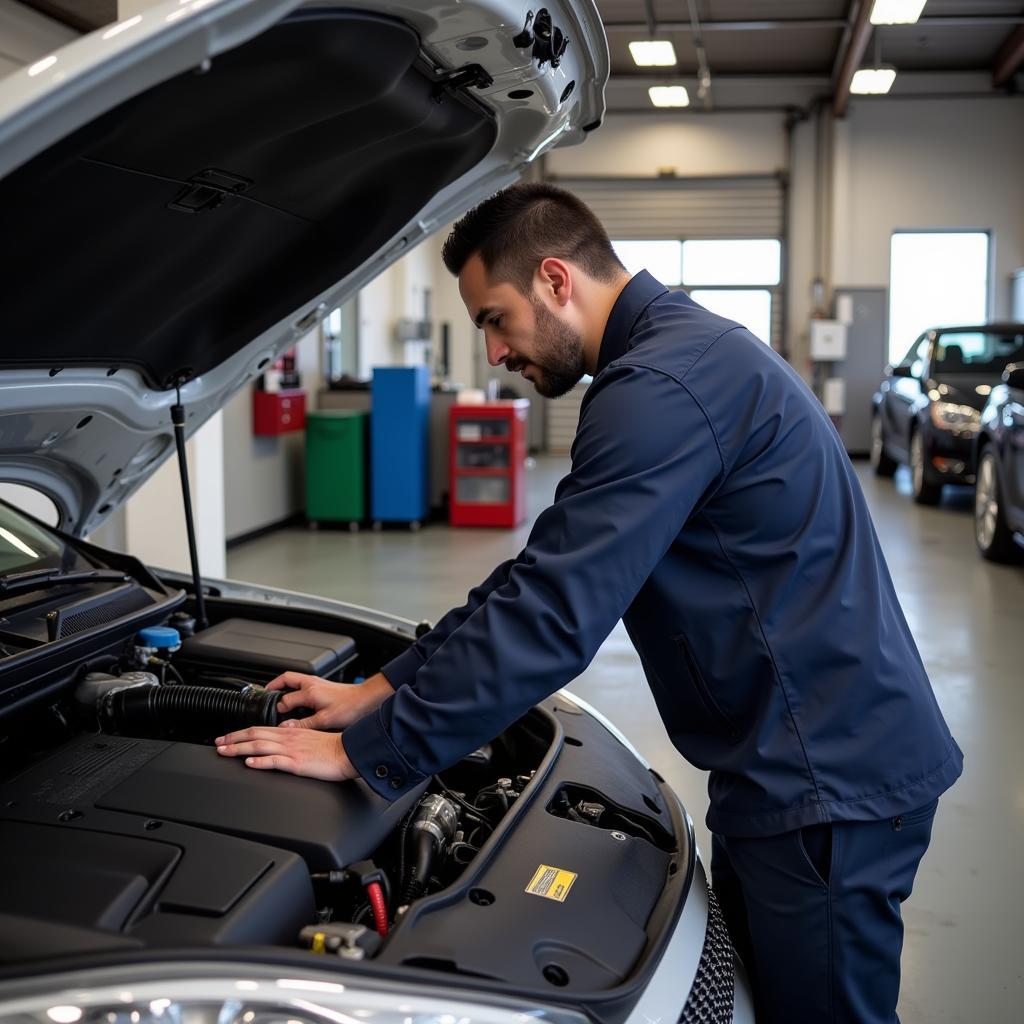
point(828, 341)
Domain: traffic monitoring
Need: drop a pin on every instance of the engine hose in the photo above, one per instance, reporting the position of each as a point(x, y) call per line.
point(186, 711)
point(416, 886)
point(379, 907)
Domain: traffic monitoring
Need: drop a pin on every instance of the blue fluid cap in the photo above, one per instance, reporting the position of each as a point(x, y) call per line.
point(160, 637)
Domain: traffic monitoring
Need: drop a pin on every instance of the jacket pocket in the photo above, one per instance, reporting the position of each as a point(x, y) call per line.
point(724, 722)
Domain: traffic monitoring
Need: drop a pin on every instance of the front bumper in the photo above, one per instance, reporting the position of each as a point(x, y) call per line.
point(950, 456)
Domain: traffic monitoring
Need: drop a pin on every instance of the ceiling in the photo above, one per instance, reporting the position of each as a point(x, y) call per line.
point(83, 15)
point(791, 52)
point(772, 53)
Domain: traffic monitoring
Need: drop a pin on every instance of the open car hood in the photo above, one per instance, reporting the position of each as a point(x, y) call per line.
point(185, 193)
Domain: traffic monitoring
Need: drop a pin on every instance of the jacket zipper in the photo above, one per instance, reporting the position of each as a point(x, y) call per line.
point(703, 691)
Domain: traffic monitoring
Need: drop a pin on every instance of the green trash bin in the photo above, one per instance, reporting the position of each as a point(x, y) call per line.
point(336, 466)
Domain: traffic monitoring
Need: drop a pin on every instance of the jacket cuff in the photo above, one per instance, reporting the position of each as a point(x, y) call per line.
point(402, 670)
point(376, 758)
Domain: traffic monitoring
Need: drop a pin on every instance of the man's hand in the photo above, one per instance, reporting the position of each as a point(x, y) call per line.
point(336, 705)
point(316, 755)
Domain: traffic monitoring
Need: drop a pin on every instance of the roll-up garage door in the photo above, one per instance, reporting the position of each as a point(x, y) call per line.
point(676, 208)
point(684, 208)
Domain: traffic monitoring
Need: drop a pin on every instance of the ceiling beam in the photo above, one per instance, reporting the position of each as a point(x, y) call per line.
point(667, 76)
point(776, 24)
point(726, 26)
point(652, 20)
point(859, 36)
point(1009, 58)
point(81, 17)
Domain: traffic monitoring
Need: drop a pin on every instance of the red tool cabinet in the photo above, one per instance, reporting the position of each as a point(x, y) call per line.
point(278, 412)
point(487, 461)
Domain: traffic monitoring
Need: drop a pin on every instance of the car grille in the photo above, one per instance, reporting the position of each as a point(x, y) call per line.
point(711, 997)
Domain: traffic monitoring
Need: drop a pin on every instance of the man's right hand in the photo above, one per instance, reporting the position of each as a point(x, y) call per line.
point(335, 705)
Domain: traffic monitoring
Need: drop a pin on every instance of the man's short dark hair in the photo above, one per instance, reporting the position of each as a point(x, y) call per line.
point(519, 227)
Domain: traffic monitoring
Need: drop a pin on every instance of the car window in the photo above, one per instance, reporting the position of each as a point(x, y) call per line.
point(985, 352)
point(917, 352)
point(24, 545)
point(38, 505)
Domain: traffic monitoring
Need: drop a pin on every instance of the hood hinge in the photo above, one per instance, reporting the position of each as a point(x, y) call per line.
point(461, 78)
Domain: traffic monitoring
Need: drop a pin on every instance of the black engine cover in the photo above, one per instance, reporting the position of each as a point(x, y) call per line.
point(120, 842)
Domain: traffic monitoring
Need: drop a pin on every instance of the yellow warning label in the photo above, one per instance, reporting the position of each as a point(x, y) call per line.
point(552, 883)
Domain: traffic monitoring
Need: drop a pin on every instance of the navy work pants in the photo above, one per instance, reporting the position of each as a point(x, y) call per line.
point(815, 915)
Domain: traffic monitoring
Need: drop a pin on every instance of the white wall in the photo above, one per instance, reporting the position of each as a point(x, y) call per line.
point(398, 292)
point(897, 163)
point(465, 342)
point(265, 477)
point(691, 145)
point(26, 35)
point(154, 518)
point(925, 164)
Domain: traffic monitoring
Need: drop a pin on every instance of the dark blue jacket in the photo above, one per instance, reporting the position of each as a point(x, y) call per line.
point(712, 507)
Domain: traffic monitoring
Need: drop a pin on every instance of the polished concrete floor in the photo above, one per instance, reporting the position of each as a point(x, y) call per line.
point(964, 946)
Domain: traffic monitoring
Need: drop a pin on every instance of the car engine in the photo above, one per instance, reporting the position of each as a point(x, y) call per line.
point(124, 831)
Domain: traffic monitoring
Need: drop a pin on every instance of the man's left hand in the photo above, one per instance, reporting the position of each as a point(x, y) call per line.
point(317, 755)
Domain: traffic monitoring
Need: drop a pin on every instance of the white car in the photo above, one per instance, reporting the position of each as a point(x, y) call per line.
point(190, 189)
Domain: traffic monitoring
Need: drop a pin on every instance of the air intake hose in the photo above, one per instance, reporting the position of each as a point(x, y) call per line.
point(185, 712)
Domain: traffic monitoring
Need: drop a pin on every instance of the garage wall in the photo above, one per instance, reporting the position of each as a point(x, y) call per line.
point(723, 145)
point(398, 292)
point(690, 145)
point(897, 163)
point(264, 477)
point(925, 164)
point(26, 35)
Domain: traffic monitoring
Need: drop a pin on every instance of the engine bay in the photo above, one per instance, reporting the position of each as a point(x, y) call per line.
point(548, 859)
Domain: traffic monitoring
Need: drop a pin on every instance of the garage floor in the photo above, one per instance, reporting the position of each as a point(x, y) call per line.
point(962, 958)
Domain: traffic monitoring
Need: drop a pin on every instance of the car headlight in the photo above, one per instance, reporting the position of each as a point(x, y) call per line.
point(950, 416)
point(205, 993)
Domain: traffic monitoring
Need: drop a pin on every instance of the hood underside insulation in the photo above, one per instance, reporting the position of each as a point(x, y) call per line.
point(172, 231)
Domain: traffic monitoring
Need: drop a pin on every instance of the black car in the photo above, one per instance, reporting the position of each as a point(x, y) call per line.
point(999, 456)
point(927, 410)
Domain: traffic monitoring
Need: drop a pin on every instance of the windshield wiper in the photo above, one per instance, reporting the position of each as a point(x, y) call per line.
point(39, 578)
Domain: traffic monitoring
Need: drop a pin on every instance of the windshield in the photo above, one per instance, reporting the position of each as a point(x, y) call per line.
point(985, 352)
point(24, 546)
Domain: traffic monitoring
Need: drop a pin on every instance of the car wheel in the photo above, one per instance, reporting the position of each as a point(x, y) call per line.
point(925, 491)
point(880, 462)
point(994, 537)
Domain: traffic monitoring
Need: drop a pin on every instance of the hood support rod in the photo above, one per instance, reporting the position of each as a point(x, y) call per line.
point(178, 419)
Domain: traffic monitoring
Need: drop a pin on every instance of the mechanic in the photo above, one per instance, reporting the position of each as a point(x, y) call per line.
point(711, 506)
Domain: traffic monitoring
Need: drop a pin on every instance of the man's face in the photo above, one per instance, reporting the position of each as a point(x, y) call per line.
point(522, 333)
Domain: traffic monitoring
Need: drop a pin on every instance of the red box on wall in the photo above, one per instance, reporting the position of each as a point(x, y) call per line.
point(487, 462)
point(278, 412)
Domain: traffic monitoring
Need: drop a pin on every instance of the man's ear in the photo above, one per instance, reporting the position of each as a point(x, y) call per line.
point(556, 279)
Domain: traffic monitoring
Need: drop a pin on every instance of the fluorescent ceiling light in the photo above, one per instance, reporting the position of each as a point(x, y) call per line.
point(896, 12)
point(653, 53)
point(872, 81)
point(669, 95)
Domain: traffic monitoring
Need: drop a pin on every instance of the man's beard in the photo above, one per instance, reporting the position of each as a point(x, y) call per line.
point(558, 354)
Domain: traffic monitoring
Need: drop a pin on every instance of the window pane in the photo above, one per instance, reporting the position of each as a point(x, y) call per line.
point(662, 258)
point(732, 261)
point(938, 279)
point(29, 500)
point(752, 309)
point(977, 352)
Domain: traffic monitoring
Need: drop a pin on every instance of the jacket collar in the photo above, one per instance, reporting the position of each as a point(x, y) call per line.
point(641, 291)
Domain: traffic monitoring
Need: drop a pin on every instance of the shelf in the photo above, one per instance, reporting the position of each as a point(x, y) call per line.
point(482, 471)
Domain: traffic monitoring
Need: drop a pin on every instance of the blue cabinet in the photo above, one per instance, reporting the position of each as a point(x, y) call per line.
point(400, 444)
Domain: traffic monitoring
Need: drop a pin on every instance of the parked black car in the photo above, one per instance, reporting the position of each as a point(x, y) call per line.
point(927, 410)
point(999, 456)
